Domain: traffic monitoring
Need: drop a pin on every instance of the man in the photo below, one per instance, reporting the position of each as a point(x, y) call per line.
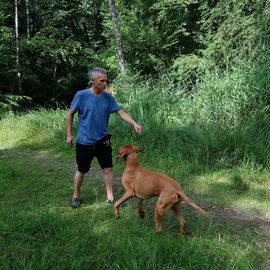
point(94, 107)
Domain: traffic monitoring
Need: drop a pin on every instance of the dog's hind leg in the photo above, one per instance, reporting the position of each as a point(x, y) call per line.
point(183, 224)
point(139, 208)
point(166, 200)
point(158, 215)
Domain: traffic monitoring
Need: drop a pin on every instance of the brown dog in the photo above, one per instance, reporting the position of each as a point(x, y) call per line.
point(141, 183)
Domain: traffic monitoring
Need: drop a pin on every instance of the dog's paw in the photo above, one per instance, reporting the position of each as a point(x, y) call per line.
point(186, 234)
point(141, 214)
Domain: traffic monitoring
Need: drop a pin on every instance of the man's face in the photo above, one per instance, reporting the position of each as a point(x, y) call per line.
point(100, 82)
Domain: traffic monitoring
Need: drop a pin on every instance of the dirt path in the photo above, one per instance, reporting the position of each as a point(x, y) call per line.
point(239, 218)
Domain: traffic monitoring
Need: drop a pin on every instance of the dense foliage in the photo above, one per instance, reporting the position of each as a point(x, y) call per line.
point(61, 40)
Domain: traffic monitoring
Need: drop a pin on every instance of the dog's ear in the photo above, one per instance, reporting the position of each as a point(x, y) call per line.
point(122, 151)
point(140, 150)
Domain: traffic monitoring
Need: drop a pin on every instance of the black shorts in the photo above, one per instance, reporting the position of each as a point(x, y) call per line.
point(86, 153)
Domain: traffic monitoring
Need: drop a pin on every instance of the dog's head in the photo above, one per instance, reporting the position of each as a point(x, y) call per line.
point(126, 150)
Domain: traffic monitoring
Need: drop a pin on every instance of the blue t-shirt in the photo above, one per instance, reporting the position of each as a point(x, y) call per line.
point(93, 114)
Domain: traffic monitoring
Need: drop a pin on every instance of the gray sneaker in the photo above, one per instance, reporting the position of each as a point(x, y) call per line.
point(110, 202)
point(75, 203)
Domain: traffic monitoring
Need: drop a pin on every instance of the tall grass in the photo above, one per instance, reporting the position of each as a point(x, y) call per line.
point(40, 129)
point(222, 121)
point(224, 118)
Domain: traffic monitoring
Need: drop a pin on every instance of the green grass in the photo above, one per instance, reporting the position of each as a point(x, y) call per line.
point(242, 187)
point(39, 230)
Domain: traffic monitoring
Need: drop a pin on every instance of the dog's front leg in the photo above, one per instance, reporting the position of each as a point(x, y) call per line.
point(117, 205)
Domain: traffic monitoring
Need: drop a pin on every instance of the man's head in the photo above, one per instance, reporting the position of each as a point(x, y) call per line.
point(98, 78)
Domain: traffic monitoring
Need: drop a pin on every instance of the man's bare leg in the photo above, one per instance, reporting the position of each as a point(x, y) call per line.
point(78, 179)
point(108, 179)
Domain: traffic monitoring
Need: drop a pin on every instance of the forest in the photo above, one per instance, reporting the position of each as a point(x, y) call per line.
point(47, 54)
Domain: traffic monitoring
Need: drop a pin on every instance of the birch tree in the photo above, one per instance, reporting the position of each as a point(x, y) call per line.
point(19, 78)
point(27, 19)
point(121, 58)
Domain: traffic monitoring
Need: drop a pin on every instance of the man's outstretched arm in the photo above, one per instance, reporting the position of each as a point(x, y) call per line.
point(129, 120)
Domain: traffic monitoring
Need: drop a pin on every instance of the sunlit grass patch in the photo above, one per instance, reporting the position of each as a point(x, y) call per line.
point(245, 188)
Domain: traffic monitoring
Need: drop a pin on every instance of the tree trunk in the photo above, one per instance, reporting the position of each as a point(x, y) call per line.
point(19, 78)
point(27, 19)
point(121, 58)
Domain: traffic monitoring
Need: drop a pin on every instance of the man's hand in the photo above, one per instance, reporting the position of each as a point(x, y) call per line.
point(70, 140)
point(138, 128)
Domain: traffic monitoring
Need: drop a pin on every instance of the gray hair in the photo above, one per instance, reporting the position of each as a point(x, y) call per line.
point(93, 73)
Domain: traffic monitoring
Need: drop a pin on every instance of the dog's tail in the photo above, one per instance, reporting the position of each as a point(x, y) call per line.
point(182, 194)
